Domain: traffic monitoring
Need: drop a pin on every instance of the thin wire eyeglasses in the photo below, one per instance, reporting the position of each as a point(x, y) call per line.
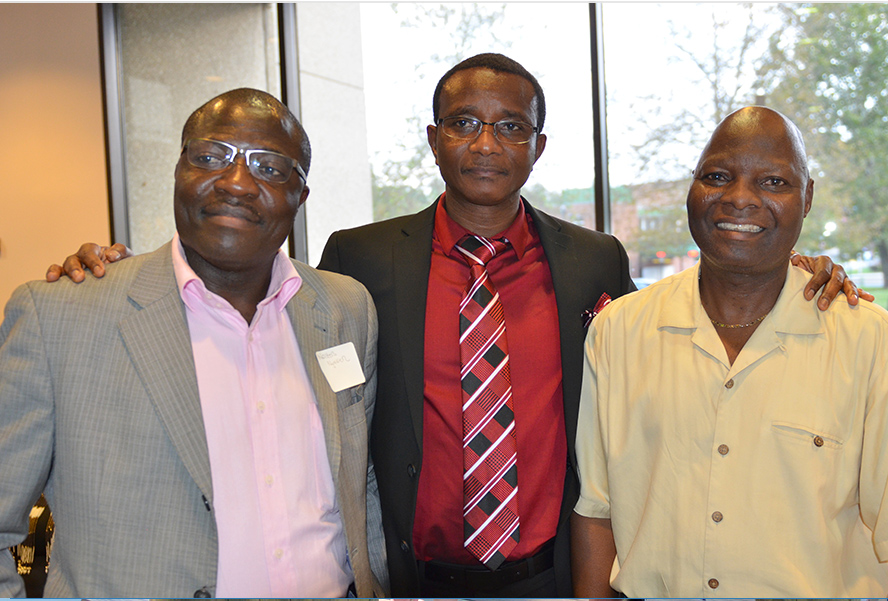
point(266, 165)
point(469, 128)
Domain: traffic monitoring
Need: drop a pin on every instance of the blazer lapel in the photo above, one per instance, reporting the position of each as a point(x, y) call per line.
point(159, 345)
point(569, 298)
point(313, 329)
point(411, 263)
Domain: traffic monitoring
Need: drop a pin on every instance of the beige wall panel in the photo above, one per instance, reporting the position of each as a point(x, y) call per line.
point(52, 159)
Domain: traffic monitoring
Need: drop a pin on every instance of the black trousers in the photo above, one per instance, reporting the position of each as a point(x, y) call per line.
point(540, 585)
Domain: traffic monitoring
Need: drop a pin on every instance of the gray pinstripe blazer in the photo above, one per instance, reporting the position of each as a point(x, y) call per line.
point(99, 407)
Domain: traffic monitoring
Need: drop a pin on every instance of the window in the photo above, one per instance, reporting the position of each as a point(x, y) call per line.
point(363, 75)
point(171, 59)
point(824, 66)
point(551, 40)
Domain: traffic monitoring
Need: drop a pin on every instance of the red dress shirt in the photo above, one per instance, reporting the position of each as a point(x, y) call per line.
point(522, 277)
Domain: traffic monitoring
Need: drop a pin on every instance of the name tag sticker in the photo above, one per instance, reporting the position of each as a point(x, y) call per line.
point(341, 366)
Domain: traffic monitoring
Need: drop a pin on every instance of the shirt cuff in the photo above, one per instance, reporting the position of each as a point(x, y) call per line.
point(882, 551)
point(592, 508)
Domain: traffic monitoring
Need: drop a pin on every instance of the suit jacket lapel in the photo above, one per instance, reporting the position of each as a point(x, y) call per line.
point(411, 261)
point(313, 330)
point(157, 339)
point(569, 297)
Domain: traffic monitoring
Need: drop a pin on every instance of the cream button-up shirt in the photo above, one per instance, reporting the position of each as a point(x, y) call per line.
point(765, 478)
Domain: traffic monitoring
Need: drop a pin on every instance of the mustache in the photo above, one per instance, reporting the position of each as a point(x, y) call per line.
point(225, 204)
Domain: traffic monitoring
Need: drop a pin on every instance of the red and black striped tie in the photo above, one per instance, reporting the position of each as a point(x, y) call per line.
point(490, 482)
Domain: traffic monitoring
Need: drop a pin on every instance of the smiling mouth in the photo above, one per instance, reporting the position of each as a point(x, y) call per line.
point(740, 227)
point(232, 213)
point(485, 171)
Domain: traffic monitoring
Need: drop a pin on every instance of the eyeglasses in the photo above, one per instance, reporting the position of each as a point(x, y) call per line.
point(266, 165)
point(469, 128)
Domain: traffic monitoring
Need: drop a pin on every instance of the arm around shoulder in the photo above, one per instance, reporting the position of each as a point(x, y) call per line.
point(90, 256)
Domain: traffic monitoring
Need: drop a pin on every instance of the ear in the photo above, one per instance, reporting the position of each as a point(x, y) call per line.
point(809, 196)
point(432, 133)
point(303, 196)
point(540, 146)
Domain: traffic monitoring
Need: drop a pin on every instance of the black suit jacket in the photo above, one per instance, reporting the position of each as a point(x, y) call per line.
point(392, 259)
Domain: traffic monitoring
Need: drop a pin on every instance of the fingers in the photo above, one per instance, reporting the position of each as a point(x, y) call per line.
point(53, 273)
point(116, 252)
point(834, 286)
point(73, 268)
point(865, 295)
point(832, 278)
point(90, 256)
point(851, 291)
point(823, 271)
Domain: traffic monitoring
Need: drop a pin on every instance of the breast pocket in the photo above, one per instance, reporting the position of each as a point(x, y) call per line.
point(818, 460)
point(806, 435)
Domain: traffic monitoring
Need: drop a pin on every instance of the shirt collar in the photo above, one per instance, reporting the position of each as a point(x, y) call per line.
point(792, 314)
point(449, 232)
point(285, 280)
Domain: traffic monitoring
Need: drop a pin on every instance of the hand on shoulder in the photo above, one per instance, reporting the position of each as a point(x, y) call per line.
point(90, 256)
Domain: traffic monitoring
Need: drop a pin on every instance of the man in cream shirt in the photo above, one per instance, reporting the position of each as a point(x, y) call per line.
point(732, 438)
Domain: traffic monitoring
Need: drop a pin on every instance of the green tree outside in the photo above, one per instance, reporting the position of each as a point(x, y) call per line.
point(829, 73)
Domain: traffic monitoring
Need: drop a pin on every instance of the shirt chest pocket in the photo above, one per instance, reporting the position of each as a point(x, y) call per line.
point(804, 435)
point(820, 460)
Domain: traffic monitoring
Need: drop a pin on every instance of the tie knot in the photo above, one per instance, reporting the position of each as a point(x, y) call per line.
point(477, 249)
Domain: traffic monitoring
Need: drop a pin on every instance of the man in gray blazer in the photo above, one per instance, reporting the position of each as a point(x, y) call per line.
point(189, 419)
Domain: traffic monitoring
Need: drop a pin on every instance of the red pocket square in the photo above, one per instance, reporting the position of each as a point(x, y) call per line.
point(601, 304)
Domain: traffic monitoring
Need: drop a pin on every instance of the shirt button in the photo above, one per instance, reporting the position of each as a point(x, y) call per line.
point(260, 406)
point(713, 583)
point(818, 442)
point(723, 449)
point(269, 480)
point(729, 384)
point(278, 553)
point(717, 517)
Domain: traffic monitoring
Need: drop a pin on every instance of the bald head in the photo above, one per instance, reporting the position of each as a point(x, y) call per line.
point(767, 126)
point(235, 105)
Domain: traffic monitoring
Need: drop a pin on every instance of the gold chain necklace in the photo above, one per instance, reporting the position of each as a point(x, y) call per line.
point(737, 325)
point(730, 326)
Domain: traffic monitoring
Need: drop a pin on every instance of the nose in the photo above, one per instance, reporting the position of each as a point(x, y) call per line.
point(741, 193)
point(486, 142)
point(237, 180)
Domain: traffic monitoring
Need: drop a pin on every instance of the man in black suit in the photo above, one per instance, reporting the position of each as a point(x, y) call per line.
point(552, 274)
point(489, 113)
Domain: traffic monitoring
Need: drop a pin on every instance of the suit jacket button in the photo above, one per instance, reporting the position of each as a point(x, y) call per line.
point(202, 593)
point(404, 546)
point(411, 471)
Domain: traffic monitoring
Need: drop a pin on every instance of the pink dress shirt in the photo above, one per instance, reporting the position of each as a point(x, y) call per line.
point(280, 532)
